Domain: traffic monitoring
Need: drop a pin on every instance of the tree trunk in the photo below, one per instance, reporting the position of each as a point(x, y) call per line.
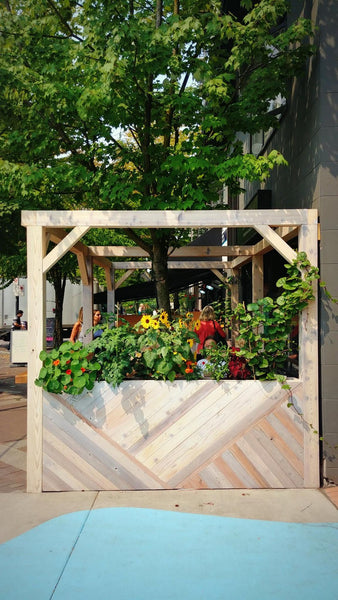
point(59, 284)
point(160, 269)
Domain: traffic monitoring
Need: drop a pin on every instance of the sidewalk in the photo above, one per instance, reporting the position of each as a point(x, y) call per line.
point(156, 545)
point(21, 511)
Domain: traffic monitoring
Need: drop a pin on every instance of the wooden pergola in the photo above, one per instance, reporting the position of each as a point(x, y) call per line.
point(276, 227)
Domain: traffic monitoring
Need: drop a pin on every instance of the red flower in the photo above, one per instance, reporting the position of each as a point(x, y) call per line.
point(68, 372)
point(83, 369)
point(67, 362)
point(189, 370)
point(56, 362)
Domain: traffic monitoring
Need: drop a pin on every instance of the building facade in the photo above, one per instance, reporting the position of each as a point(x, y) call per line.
point(307, 138)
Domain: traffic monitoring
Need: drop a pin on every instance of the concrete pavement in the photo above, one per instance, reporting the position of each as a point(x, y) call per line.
point(20, 511)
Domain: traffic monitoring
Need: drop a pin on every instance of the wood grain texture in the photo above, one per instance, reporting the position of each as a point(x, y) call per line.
point(162, 435)
point(167, 218)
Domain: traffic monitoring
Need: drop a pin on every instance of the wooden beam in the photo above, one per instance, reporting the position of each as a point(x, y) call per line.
point(185, 251)
point(107, 272)
point(167, 218)
point(63, 247)
point(262, 247)
point(191, 264)
point(257, 277)
point(57, 235)
point(123, 278)
point(219, 275)
point(276, 242)
point(81, 259)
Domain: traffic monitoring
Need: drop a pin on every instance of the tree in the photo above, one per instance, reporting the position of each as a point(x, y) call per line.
point(138, 104)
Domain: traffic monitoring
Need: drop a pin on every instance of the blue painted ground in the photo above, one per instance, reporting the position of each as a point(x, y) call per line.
point(141, 554)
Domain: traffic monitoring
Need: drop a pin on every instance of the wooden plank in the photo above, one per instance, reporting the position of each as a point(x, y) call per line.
point(276, 242)
point(284, 422)
point(57, 235)
point(244, 460)
point(64, 246)
point(284, 448)
point(224, 439)
point(219, 275)
point(216, 476)
point(308, 364)
point(122, 469)
point(275, 459)
point(21, 378)
point(123, 278)
point(185, 251)
point(36, 285)
point(234, 466)
point(256, 458)
point(262, 247)
point(167, 218)
point(87, 302)
point(214, 423)
point(81, 259)
point(257, 278)
point(107, 272)
point(173, 264)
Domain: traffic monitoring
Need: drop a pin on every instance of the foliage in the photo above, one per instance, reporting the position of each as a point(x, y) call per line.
point(138, 105)
point(162, 349)
point(153, 348)
point(68, 369)
point(264, 327)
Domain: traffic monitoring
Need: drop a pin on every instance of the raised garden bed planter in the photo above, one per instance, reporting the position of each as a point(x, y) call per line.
point(149, 434)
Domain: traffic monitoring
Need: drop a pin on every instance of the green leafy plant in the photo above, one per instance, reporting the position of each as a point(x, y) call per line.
point(264, 327)
point(68, 369)
point(162, 349)
point(154, 347)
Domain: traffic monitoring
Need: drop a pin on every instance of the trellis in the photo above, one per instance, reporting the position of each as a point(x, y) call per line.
point(276, 227)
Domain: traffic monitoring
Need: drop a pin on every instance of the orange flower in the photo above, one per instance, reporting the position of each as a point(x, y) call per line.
point(188, 370)
point(83, 369)
point(56, 362)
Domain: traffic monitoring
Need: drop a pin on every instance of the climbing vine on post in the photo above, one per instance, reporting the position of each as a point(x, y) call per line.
point(264, 327)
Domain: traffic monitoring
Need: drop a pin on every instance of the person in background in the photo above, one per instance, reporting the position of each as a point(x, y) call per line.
point(208, 328)
point(77, 328)
point(17, 323)
point(203, 363)
point(76, 331)
point(96, 321)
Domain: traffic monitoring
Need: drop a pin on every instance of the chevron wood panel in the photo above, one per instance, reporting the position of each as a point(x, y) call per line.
point(161, 435)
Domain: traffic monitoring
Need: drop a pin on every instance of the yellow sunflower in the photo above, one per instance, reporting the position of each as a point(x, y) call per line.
point(197, 325)
point(146, 321)
point(155, 323)
point(164, 318)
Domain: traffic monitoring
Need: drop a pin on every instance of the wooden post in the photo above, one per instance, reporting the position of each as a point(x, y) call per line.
point(111, 293)
point(87, 302)
point(257, 277)
point(36, 284)
point(308, 363)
